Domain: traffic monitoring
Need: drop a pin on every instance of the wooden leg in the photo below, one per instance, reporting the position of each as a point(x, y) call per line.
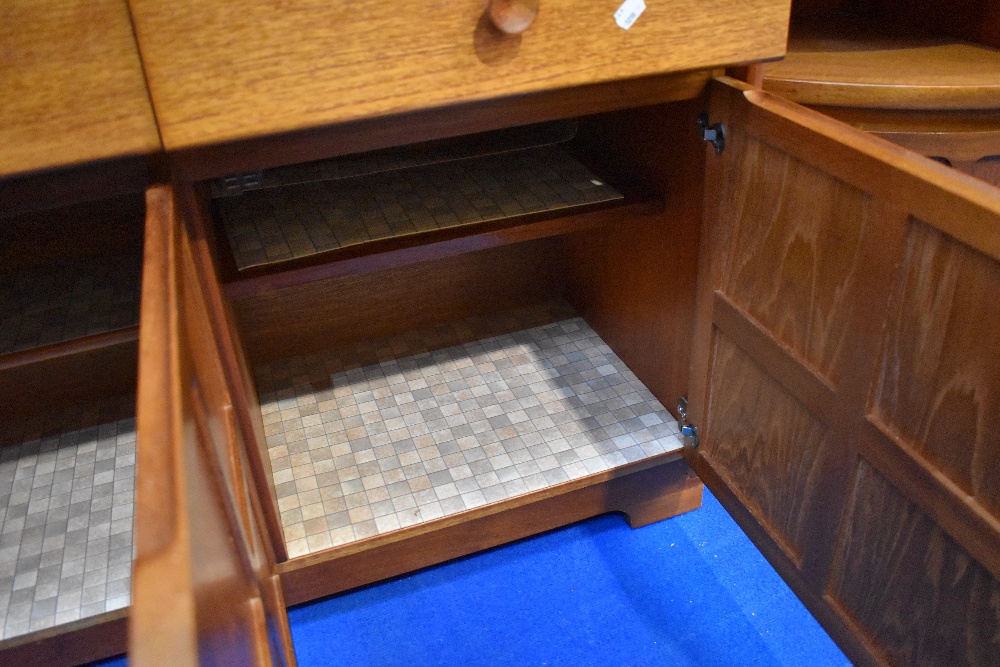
point(659, 493)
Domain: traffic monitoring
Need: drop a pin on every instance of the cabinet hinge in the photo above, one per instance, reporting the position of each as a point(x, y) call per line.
point(228, 186)
point(714, 134)
point(688, 430)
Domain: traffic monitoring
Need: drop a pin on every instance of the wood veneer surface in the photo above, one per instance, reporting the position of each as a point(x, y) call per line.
point(73, 86)
point(849, 65)
point(219, 72)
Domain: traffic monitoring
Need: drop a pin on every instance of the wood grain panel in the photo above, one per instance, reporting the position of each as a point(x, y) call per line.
point(73, 85)
point(921, 598)
point(768, 450)
point(327, 313)
point(793, 258)
point(939, 385)
point(202, 586)
point(219, 72)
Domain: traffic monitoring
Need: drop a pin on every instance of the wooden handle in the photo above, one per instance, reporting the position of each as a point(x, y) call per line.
point(513, 16)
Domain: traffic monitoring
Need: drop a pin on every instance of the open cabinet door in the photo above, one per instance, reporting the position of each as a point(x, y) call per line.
point(204, 589)
point(846, 377)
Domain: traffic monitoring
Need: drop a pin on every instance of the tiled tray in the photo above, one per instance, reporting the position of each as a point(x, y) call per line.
point(284, 223)
point(427, 433)
point(71, 300)
point(66, 504)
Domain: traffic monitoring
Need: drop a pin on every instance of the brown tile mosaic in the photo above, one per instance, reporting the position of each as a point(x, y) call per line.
point(283, 223)
point(361, 448)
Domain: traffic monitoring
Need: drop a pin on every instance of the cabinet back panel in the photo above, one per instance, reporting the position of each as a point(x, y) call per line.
point(338, 311)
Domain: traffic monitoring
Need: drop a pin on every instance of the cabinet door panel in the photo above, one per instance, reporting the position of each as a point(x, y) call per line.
point(844, 361)
point(204, 587)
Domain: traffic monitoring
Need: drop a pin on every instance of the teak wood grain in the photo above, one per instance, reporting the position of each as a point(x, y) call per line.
point(203, 583)
point(222, 72)
point(73, 85)
point(852, 65)
point(866, 280)
point(646, 492)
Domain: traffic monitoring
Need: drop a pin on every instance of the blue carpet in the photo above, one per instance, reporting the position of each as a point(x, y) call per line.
point(692, 590)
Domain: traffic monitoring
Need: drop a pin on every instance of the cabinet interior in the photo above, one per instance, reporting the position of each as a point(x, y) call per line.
point(69, 313)
point(502, 322)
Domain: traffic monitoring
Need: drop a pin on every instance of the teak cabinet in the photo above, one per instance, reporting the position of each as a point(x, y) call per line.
point(821, 297)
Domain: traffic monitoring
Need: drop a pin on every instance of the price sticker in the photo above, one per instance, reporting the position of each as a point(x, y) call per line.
point(629, 12)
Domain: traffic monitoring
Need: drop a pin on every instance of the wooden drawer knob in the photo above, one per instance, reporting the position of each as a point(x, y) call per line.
point(513, 16)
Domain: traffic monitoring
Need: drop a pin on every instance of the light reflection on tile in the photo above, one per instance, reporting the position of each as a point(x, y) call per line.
point(66, 503)
point(360, 448)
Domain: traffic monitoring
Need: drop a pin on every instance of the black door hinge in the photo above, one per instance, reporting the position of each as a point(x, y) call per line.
point(714, 134)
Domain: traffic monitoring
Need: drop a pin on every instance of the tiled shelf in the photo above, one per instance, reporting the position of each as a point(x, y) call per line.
point(378, 437)
point(60, 303)
point(274, 225)
point(66, 503)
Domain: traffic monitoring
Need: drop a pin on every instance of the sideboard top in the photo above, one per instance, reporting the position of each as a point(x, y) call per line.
point(220, 71)
point(72, 85)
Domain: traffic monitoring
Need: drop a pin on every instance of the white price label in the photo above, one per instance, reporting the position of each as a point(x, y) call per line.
point(629, 12)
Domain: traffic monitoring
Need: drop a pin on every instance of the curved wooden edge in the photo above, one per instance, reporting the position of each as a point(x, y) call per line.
point(68, 348)
point(83, 641)
point(653, 490)
point(835, 62)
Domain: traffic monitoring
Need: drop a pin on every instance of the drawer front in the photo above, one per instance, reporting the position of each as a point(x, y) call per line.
point(225, 71)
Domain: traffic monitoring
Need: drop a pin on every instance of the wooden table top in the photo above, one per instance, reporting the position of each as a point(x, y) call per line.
point(72, 85)
point(844, 65)
point(222, 71)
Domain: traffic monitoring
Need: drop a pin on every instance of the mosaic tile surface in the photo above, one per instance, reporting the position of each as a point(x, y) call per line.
point(427, 433)
point(404, 157)
point(66, 504)
point(277, 224)
point(71, 300)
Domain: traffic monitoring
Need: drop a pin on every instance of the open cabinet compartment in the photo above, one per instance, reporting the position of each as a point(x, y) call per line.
point(69, 297)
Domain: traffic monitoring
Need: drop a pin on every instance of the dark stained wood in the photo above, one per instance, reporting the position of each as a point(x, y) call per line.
point(70, 644)
point(37, 382)
point(394, 130)
point(405, 251)
point(201, 549)
point(634, 281)
point(89, 182)
point(974, 20)
point(649, 492)
point(916, 593)
point(336, 311)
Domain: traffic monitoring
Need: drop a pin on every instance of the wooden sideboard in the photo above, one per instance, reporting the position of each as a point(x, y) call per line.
point(819, 295)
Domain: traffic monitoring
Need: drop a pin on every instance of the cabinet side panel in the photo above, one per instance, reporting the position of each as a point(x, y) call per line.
point(921, 598)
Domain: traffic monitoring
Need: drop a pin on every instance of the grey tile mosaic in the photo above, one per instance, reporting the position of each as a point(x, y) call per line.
point(428, 430)
point(65, 532)
point(282, 223)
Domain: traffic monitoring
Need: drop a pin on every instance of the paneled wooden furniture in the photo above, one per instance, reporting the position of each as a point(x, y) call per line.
point(820, 295)
point(915, 82)
point(76, 128)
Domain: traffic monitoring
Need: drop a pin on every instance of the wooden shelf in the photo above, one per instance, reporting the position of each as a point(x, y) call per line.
point(386, 436)
point(306, 224)
point(844, 64)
